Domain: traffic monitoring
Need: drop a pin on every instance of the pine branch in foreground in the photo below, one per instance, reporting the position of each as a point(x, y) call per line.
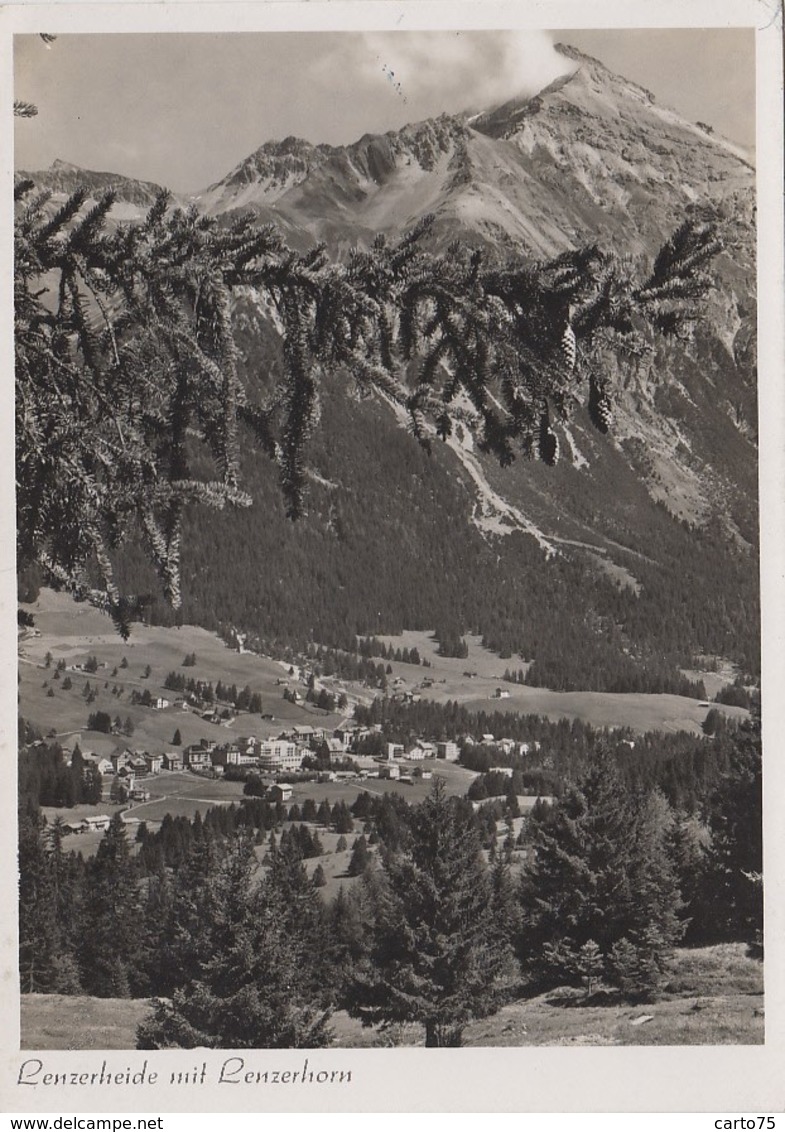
point(127, 378)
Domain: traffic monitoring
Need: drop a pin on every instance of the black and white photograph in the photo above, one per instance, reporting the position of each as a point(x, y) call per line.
point(389, 447)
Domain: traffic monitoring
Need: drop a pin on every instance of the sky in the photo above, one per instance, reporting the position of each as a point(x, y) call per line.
point(183, 109)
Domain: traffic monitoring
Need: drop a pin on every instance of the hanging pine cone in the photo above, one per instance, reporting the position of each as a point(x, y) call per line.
point(600, 410)
point(568, 346)
point(548, 441)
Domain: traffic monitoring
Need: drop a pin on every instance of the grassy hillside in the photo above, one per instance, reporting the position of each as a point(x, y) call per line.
point(73, 631)
point(715, 997)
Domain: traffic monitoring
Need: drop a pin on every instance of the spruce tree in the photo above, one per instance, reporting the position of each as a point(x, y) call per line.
point(360, 858)
point(45, 965)
point(257, 987)
point(435, 954)
point(733, 874)
point(111, 924)
point(599, 872)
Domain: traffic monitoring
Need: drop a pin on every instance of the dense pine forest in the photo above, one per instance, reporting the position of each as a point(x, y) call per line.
point(354, 566)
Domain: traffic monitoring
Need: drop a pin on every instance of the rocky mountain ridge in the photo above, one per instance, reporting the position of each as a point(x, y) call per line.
point(591, 158)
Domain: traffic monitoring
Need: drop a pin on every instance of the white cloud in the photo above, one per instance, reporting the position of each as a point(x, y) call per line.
point(460, 70)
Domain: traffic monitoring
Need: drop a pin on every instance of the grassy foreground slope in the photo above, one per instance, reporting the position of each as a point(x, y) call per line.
point(715, 997)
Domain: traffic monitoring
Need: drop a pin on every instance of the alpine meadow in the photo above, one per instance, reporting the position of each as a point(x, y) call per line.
point(387, 549)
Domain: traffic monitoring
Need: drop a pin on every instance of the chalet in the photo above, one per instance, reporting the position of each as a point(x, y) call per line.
point(120, 759)
point(487, 740)
point(197, 757)
point(448, 751)
point(154, 763)
point(507, 771)
point(280, 792)
point(235, 754)
point(104, 766)
point(526, 801)
point(96, 822)
point(159, 703)
point(501, 694)
point(138, 765)
point(415, 753)
point(428, 750)
point(139, 794)
point(391, 771)
point(507, 745)
point(237, 758)
point(303, 733)
point(335, 747)
point(172, 760)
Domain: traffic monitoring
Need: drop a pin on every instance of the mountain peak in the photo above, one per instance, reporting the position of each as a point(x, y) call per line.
point(577, 56)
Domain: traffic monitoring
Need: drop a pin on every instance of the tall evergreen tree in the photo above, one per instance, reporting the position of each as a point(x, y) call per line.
point(733, 875)
point(599, 872)
point(40, 941)
point(435, 956)
point(111, 927)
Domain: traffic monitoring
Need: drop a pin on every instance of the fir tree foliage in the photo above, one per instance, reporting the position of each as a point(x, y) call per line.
point(128, 392)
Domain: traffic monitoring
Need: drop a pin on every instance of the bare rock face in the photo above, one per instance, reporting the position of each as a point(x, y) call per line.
point(63, 178)
point(591, 158)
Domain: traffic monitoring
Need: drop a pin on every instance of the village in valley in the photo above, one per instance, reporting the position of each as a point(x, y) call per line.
point(318, 752)
point(177, 720)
